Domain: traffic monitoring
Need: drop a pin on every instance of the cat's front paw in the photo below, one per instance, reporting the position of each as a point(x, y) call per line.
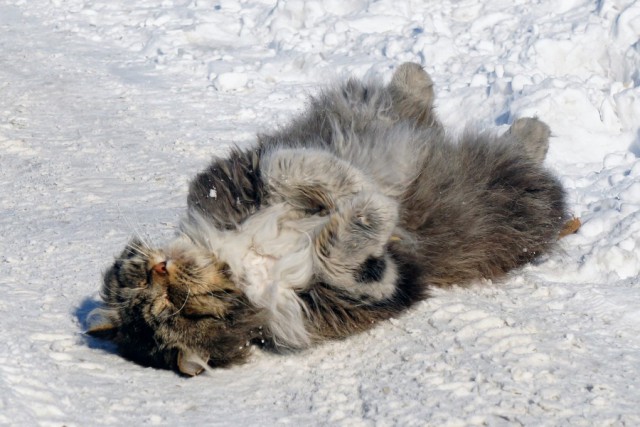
point(310, 180)
point(358, 229)
point(351, 247)
point(371, 218)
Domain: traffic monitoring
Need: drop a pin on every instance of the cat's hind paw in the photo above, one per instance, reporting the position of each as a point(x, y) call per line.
point(532, 135)
point(411, 88)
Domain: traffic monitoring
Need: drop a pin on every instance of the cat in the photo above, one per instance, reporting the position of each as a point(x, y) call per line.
point(343, 218)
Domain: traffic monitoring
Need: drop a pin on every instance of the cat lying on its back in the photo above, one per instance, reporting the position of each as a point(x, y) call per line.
point(339, 220)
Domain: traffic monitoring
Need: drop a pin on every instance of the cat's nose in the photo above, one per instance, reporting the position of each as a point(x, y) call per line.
point(160, 268)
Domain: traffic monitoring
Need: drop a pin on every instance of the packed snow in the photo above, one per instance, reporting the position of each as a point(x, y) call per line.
point(108, 107)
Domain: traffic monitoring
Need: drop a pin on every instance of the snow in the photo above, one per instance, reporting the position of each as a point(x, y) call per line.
point(108, 107)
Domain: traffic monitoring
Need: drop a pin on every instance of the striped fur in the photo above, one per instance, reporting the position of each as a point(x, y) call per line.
point(339, 220)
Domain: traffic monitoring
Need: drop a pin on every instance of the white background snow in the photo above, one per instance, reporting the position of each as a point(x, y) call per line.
point(108, 107)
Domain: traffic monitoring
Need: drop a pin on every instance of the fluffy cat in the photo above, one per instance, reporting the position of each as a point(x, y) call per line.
point(339, 220)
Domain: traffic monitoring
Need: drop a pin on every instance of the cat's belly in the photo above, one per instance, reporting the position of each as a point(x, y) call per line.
point(258, 270)
point(276, 261)
point(271, 257)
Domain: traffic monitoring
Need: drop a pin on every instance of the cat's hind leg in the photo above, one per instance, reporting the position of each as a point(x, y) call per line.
point(532, 136)
point(411, 89)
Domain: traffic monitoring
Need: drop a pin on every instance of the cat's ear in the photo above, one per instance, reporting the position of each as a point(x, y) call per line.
point(191, 363)
point(101, 324)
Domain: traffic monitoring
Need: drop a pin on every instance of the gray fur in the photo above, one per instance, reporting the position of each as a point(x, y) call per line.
point(392, 207)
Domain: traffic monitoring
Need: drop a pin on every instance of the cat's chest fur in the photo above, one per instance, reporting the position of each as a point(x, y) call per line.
point(270, 257)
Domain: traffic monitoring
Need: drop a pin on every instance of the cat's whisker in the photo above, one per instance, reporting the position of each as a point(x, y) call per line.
point(124, 295)
point(122, 292)
point(135, 230)
point(230, 297)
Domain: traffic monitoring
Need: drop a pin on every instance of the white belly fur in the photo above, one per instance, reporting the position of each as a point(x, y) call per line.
point(270, 256)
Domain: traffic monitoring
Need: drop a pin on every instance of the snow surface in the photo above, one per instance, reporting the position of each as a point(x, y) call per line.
point(108, 107)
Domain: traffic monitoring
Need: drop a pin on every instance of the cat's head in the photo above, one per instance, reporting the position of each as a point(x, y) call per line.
point(174, 308)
